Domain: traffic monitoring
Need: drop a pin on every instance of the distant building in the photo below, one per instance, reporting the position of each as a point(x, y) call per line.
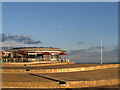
point(30, 54)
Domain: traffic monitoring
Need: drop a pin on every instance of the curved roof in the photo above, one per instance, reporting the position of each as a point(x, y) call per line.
point(38, 48)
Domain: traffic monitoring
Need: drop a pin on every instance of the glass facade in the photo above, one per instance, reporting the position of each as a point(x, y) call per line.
point(54, 57)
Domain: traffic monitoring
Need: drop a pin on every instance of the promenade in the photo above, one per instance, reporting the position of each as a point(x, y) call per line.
point(61, 76)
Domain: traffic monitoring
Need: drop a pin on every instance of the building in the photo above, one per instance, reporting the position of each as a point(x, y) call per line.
point(30, 54)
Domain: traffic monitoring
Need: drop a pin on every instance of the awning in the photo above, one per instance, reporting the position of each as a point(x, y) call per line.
point(23, 52)
point(47, 53)
point(63, 53)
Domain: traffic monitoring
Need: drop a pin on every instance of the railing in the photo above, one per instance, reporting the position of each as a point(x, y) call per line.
point(31, 59)
point(63, 60)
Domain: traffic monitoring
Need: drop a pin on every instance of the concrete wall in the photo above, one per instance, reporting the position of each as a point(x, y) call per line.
point(32, 64)
point(95, 83)
point(69, 84)
point(59, 70)
point(29, 84)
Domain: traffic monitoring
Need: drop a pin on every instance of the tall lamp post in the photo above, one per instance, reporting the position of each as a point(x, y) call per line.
point(101, 61)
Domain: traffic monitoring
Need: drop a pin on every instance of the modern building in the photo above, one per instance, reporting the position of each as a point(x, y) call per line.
point(30, 54)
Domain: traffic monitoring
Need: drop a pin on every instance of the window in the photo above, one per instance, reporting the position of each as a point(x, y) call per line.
point(54, 56)
point(39, 55)
point(31, 56)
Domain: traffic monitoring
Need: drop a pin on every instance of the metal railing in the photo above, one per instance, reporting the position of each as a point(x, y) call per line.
point(31, 59)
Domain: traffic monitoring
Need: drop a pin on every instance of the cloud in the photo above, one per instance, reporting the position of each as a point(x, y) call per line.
point(117, 47)
point(80, 42)
point(11, 44)
point(83, 56)
point(3, 38)
point(93, 55)
point(18, 38)
point(77, 52)
point(95, 48)
point(99, 47)
point(84, 51)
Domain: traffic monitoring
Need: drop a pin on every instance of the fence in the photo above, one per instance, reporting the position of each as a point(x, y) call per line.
point(31, 59)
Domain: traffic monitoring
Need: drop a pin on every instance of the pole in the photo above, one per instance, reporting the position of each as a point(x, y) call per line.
point(23, 43)
point(26, 43)
point(101, 53)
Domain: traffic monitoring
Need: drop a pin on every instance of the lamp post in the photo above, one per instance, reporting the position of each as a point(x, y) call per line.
point(101, 61)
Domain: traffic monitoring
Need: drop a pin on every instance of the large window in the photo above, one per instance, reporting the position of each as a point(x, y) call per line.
point(31, 56)
point(54, 56)
point(39, 55)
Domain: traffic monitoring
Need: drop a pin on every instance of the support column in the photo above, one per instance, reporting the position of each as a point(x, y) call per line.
point(36, 56)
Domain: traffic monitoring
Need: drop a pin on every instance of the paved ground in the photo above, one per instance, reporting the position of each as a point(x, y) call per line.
point(91, 88)
point(111, 73)
point(22, 78)
point(54, 66)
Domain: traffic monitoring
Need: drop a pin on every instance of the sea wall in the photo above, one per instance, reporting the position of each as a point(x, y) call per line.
point(95, 83)
point(59, 70)
point(69, 84)
point(33, 64)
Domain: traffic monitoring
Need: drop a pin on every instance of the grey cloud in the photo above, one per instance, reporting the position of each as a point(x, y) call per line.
point(85, 51)
point(80, 42)
point(98, 47)
point(117, 47)
point(76, 52)
point(86, 55)
point(18, 38)
point(83, 56)
point(3, 38)
point(92, 48)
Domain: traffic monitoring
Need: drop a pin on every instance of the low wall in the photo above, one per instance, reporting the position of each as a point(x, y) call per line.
point(59, 70)
point(32, 64)
point(30, 84)
point(49, 64)
point(69, 84)
point(95, 83)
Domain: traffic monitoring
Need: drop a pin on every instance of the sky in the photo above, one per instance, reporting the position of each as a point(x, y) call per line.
point(73, 26)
